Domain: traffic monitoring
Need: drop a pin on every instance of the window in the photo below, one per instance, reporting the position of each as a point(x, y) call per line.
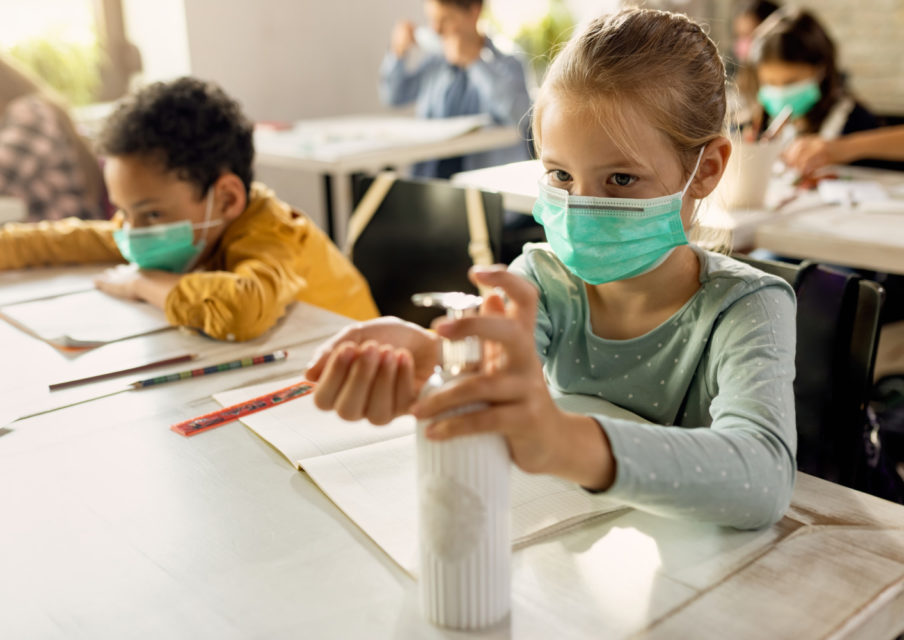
point(78, 47)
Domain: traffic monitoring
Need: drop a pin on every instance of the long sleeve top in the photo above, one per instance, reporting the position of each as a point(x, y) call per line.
point(715, 380)
point(267, 258)
point(494, 84)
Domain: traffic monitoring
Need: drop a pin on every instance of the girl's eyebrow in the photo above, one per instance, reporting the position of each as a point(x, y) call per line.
point(619, 163)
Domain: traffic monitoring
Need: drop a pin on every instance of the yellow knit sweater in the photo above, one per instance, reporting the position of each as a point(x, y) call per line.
point(266, 258)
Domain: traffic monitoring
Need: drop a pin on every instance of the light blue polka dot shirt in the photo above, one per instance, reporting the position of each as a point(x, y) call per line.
point(715, 379)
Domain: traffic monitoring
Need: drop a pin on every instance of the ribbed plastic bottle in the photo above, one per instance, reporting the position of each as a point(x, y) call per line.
point(463, 487)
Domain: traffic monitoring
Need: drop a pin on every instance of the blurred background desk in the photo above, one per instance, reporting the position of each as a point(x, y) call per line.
point(336, 148)
point(869, 236)
point(113, 526)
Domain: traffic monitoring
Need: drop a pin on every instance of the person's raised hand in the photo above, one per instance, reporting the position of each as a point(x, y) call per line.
point(402, 38)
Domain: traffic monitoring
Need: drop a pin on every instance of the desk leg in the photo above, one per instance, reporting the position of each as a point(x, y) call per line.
point(342, 207)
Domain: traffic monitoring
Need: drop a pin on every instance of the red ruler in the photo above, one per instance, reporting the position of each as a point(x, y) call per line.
point(236, 411)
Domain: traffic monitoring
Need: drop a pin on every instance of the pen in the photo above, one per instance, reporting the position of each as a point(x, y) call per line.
point(112, 374)
point(215, 368)
point(777, 124)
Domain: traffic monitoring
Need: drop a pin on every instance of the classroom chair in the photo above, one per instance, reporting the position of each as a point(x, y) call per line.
point(837, 334)
point(419, 239)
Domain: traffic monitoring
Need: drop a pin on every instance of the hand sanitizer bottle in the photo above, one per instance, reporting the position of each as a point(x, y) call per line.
point(463, 487)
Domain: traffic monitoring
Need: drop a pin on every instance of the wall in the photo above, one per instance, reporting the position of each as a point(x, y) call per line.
point(871, 48)
point(290, 59)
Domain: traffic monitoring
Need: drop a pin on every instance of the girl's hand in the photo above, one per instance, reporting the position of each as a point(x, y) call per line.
point(809, 153)
point(374, 369)
point(541, 437)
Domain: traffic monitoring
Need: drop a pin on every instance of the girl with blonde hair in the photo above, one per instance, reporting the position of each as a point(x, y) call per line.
point(618, 305)
point(43, 159)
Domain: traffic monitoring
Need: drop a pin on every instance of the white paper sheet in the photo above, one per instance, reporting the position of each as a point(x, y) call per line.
point(85, 319)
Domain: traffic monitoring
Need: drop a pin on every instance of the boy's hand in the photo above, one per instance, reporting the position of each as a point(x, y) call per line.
point(541, 437)
point(125, 281)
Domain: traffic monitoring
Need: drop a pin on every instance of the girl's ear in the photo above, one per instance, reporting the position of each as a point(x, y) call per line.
point(230, 199)
point(712, 166)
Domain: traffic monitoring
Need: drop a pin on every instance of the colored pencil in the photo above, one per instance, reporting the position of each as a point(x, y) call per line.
point(112, 374)
point(236, 411)
point(215, 368)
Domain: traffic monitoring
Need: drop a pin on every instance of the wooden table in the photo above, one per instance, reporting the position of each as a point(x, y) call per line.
point(113, 526)
point(862, 235)
point(339, 147)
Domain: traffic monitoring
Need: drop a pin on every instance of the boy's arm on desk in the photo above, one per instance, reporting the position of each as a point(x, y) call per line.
point(260, 273)
point(69, 241)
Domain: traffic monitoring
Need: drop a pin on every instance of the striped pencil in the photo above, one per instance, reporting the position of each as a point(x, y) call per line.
point(215, 368)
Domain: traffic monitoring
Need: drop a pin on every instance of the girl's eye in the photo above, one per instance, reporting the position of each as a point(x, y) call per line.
point(560, 176)
point(622, 179)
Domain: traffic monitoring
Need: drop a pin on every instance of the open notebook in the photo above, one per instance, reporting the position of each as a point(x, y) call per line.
point(369, 472)
point(84, 319)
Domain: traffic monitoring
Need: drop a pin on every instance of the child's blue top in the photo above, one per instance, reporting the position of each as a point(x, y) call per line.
point(494, 84)
point(715, 379)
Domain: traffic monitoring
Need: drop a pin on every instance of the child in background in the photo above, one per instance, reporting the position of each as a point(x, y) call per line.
point(808, 154)
point(215, 251)
point(795, 62)
point(467, 75)
point(43, 160)
point(629, 126)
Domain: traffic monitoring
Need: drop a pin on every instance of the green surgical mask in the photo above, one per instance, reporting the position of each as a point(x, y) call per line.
point(800, 96)
point(606, 239)
point(168, 247)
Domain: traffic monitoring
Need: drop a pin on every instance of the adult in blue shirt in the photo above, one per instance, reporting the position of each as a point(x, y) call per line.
point(463, 74)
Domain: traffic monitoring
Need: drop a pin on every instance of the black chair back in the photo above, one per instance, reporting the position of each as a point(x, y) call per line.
point(837, 334)
point(418, 241)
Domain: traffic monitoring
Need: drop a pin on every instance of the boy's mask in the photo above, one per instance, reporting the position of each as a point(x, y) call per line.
point(607, 239)
point(800, 96)
point(168, 247)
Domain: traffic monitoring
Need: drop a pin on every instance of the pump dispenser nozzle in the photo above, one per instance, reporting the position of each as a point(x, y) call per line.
point(459, 356)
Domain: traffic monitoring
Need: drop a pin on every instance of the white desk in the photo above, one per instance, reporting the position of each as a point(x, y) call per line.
point(112, 526)
point(858, 236)
point(339, 147)
point(868, 236)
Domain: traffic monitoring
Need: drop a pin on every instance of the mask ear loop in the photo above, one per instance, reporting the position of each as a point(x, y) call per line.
point(202, 242)
point(695, 216)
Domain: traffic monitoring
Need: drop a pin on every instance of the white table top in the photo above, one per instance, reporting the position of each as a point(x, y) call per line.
point(349, 144)
point(113, 526)
point(866, 236)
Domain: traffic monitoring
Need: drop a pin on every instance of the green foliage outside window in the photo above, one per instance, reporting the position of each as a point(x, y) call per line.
point(71, 69)
point(542, 39)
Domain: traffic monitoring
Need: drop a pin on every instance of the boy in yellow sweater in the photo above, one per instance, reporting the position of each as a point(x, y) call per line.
point(214, 251)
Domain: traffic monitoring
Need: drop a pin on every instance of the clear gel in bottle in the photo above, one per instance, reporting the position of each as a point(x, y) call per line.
point(463, 488)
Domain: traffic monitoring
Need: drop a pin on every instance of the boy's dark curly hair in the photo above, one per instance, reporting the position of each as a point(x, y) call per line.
point(192, 127)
